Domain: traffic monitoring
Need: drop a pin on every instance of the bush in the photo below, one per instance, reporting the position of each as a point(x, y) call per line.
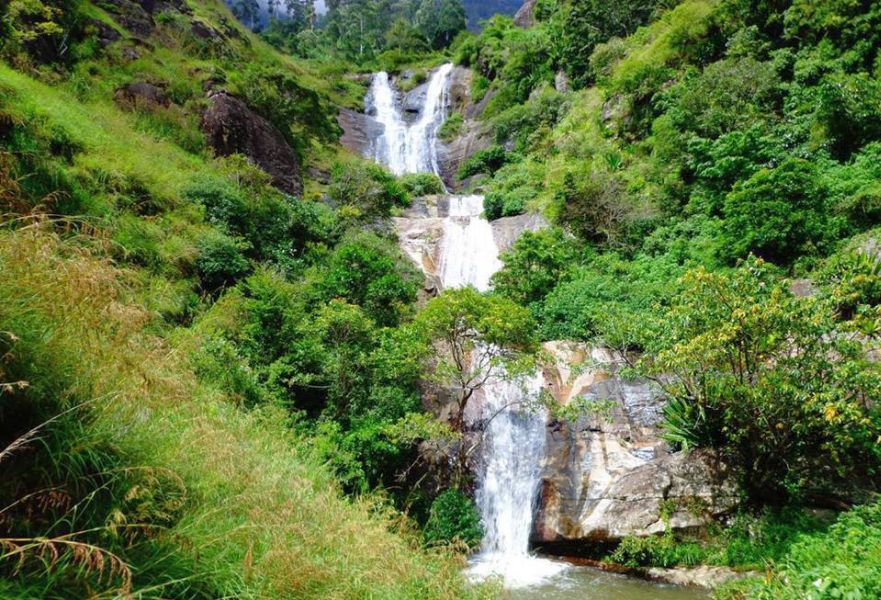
point(498, 204)
point(536, 264)
point(453, 519)
point(367, 188)
point(771, 383)
point(371, 273)
point(779, 215)
point(221, 261)
point(843, 562)
point(452, 127)
point(422, 184)
point(484, 162)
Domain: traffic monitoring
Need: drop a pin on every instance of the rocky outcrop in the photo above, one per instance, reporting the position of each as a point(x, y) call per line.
point(609, 474)
point(705, 576)
point(473, 136)
point(525, 17)
point(141, 95)
point(232, 128)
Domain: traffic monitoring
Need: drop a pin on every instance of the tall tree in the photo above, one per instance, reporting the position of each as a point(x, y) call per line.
point(440, 20)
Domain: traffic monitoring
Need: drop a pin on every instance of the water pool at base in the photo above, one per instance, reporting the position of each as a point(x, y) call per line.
point(586, 583)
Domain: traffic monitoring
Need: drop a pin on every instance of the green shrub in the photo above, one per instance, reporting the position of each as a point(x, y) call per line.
point(497, 204)
point(535, 265)
point(452, 127)
point(422, 184)
point(779, 214)
point(484, 162)
point(843, 562)
point(366, 188)
point(221, 261)
point(453, 518)
point(771, 383)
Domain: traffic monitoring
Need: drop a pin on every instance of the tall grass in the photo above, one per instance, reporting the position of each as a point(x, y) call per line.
point(193, 497)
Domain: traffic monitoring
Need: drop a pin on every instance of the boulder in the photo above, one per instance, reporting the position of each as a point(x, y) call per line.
point(104, 33)
point(134, 16)
point(231, 127)
point(610, 475)
point(141, 94)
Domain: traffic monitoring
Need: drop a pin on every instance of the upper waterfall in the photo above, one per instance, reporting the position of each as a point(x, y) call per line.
point(403, 147)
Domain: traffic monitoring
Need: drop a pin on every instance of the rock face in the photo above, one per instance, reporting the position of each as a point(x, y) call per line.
point(231, 127)
point(473, 137)
point(359, 131)
point(610, 475)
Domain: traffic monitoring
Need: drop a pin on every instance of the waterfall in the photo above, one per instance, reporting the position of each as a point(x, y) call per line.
point(469, 255)
point(514, 439)
point(407, 148)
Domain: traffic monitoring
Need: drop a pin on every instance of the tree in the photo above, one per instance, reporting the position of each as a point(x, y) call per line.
point(773, 381)
point(587, 23)
point(475, 338)
point(246, 11)
point(440, 20)
point(535, 265)
point(778, 214)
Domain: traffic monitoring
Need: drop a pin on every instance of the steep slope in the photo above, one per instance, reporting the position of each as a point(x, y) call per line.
point(134, 463)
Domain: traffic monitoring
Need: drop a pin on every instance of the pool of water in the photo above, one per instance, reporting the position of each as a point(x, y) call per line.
point(586, 583)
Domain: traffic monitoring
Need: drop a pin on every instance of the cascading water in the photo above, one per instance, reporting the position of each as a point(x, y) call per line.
point(412, 148)
point(514, 438)
point(469, 255)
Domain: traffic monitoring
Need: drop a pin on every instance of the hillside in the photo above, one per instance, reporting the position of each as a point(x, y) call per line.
point(478, 11)
point(139, 457)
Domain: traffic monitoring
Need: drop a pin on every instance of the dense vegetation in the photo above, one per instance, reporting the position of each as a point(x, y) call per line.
point(712, 170)
point(208, 387)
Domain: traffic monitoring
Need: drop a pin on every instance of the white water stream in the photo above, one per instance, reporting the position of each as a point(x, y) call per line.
point(514, 440)
point(403, 147)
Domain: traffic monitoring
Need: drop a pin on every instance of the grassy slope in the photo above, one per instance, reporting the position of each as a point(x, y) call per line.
point(228, 503)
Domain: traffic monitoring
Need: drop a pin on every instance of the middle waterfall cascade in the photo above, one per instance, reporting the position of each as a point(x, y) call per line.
point(469, 255)
point(514, 439)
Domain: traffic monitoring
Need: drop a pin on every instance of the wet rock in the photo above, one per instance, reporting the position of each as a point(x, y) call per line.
point(360, 131)
point(609, 475)
point(420, 232)
point(706, 577)
point(413, 101)
point(141, 95)
point(231, 127)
